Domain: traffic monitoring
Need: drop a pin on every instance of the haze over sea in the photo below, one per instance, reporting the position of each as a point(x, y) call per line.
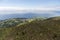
point(29, 8)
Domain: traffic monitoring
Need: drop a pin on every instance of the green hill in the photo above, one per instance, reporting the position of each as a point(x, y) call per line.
point(12, 22)
point(55, 18)
point(47, 29)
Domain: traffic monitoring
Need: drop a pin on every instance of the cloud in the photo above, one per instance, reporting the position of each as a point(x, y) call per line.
point(10, 10)
point(27, 8)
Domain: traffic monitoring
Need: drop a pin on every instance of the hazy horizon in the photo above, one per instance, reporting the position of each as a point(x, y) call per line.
point(33, 6)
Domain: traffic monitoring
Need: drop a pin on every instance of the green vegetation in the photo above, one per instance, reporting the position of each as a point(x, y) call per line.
point(11, 22)
point(46, 29)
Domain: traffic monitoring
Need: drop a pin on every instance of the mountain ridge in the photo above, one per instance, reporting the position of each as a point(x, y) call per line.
point(34, 30)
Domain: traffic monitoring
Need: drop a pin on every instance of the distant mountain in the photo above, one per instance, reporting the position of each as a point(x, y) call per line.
point(26, 15)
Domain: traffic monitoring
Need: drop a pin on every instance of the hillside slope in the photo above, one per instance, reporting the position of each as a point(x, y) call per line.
point(36, 30)
point(12, 22)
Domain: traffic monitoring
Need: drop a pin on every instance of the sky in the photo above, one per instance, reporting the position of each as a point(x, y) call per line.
point(22, 6)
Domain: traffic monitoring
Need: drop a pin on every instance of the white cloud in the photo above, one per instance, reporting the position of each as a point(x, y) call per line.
point(36, 8)
point(10, 10)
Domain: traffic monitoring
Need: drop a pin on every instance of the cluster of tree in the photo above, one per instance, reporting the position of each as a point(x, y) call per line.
point(47, 29)
point(10, 22)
